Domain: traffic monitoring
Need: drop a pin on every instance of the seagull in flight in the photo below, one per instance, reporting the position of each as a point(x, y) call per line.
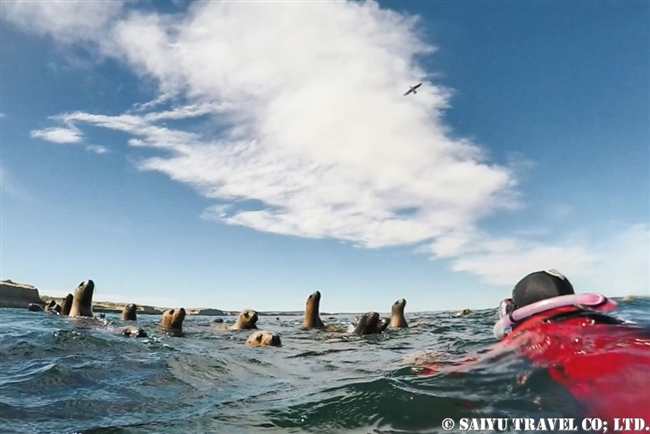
point(413, 89)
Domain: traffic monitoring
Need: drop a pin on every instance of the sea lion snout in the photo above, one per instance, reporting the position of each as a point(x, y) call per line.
point(247, 319)
point(133, 332)
point(84, 292)
point(312, 308)
point(67, 305)
point(368, 324)
point(172, 320)
point(52, 307)
point(252, 316)
point(129, 313)
point(82, 302)
point(397, 319)
point(264, 338)
point(33, 307)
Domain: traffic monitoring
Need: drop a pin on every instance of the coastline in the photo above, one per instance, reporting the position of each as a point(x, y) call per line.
point(111, 307)
point(19, 295)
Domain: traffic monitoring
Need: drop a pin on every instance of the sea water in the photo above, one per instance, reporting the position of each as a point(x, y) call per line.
point(64, 375)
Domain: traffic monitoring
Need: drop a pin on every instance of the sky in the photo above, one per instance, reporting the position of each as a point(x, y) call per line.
point(245, 154)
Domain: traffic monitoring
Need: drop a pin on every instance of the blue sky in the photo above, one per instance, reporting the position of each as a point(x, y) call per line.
point(244, 154)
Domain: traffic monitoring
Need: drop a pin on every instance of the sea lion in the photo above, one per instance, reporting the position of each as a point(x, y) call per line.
point(129, 312)
point(172, 321)
point(629, 298)
point(216, 321)
point(368, 324)
point(464, 312)
point(131, 331)
point(383, 324)
point(82, 303)
point(397, 319)
point(33, 307)
point(67, 305)
point(52, 307)
point(312, 316)
point(263, 338)
point(246, 320)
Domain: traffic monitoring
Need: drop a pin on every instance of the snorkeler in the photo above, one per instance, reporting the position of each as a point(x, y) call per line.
point(604, 362)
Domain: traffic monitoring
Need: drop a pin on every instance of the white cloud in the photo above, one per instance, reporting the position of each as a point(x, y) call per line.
point(318, 130)
point(502, 260)
point(616, 265)
point(623, 265)
point(314, 130)
point(97, 149)
point(67, 21)
point(58, 135)
point(10, 186)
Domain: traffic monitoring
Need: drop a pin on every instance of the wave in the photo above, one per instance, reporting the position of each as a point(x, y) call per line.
point(65, 375)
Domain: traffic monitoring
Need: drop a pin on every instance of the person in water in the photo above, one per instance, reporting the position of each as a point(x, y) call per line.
point(602, 361)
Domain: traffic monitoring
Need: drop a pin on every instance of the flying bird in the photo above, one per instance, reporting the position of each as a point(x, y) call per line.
point(413, 89)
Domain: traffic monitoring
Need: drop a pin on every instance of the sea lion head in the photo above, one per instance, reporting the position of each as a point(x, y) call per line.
point(312, 311)
point(262, 338)
point(382, 324)
point(132, 332)
point(464, 312)
point(33, 307)
point(52, 307)
point(368, 324)
point(172, 320)
point(397, 314)
point(129, 312)
point(67, 305)
point(246, 320)
point(82, 303)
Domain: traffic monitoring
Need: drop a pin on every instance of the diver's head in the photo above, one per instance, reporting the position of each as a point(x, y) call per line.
point(540, 285)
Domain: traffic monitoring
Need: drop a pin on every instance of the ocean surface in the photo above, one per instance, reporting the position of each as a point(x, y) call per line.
point(63, 375)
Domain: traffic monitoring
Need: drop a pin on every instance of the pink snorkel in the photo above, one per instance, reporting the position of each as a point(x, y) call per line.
point(583, 301)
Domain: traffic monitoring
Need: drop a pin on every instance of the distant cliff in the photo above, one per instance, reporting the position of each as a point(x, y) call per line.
point(18, 295)
point(110, 307)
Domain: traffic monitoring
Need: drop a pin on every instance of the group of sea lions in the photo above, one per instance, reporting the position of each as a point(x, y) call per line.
point(171, 322)
point(366, 324)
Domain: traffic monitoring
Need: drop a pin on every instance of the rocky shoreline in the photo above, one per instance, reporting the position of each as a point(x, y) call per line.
point(19, 295)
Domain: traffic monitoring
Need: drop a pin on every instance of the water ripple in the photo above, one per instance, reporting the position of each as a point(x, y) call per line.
point(62, 375)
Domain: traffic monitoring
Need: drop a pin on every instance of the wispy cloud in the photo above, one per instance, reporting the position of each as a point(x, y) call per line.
point(318, 131)
point(10, 186)
point(315, 136)
point(623, 265)
point(504, 260)
point(67, 21)
point(616, 264)
point(97, 149)
point(58, 135)
point(2, 115)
